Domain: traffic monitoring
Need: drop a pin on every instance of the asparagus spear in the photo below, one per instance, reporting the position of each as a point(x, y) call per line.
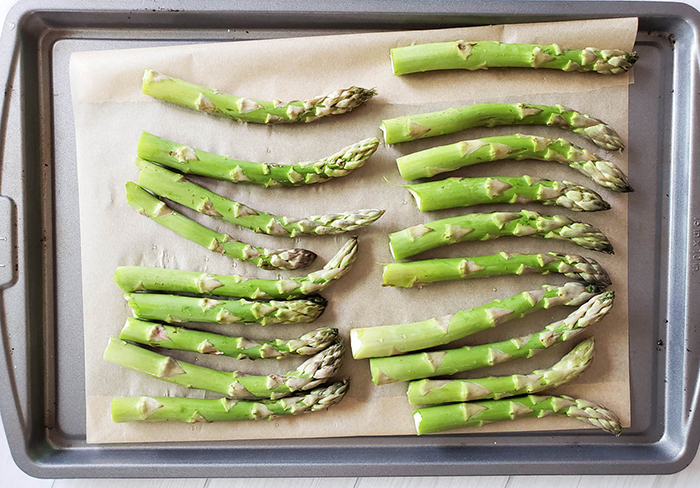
point(177, 188)
point(491, 54)
point(448, 362)
point(178, 309)
point(169, 337)
point(482, 226)
point(420, 126)
point(244, 109)
point(464, 192)
point(475, 414)
point(158, 409)
point(418, 273)
point(188, 160)
point(435, 392)
point(313, 372)
point(390, 340)
point(153, 208)
point(436, 160)
point(141, 278)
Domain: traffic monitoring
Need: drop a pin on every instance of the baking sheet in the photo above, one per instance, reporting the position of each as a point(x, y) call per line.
point(110, 112)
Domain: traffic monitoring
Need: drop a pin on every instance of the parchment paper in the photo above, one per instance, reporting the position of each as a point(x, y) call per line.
point(110, 112)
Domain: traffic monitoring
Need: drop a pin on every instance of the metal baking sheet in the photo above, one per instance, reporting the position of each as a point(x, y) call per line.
point(41, 377)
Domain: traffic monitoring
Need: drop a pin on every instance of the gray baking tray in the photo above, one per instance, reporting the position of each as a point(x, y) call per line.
point(42, 397)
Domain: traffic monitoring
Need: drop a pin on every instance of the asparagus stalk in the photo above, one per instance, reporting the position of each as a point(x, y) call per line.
point(475, 414)
point(156, 210)
point(244, 109)
point(141, 278)
point(175, 187)
point(482, 226)
point(390, 340)
point(179, 309)
point(435, 392)
point(158, 409)
point(179, 338)
point(492, 54)
point(313, 372)
point(436, 160)
point(464, 192)
point(448, 362)
point(418, 273)
point(421, 126)
point(188, 160)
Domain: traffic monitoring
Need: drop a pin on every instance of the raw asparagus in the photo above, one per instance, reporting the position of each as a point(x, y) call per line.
point(156, 210)
point(177, 309)
point(483, 226)
point(169, 337)
point(244, 109)
point(188, 160)
point(176, 187)
point(418, 273)
point(464, 192)
point(420, 126)
point(436, 160)
point(313, 372)
point(141, 278)
point(448, 362)
point(158, 409)
point(435, 392)
point(492, 54)
point(475, 414)
point(390, 340)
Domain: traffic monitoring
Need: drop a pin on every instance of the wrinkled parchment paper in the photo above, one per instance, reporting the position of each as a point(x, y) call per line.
point(110, 112)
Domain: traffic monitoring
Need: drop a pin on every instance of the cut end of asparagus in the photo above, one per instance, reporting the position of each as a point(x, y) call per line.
point(150, 76)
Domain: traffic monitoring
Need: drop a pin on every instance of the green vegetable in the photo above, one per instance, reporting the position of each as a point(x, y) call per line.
point(418, 273)
point(421, 126)
point(195, 161)
point(141, 278)
point(390, 340)
point(244, 109)
point(313, 372)
point(465, 192)
point(448, 362)
point(491, 54)
point(436, 160)
point(169, 337)
point(177, 188)
point(435, 392)
point(178, 309)
point(156, 210)
point(190, 410)
point(482, 226)
point(475, 414)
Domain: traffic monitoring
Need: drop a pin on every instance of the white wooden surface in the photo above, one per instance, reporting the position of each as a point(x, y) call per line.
point(12, 477)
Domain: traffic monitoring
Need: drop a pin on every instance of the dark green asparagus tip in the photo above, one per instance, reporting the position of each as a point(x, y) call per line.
point(317, 299)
